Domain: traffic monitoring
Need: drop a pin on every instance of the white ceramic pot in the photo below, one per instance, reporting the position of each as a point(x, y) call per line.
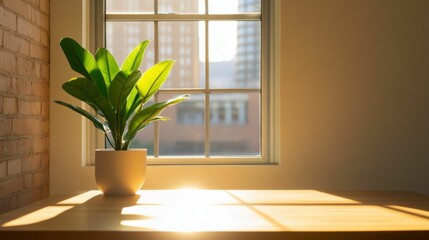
point(120, 173)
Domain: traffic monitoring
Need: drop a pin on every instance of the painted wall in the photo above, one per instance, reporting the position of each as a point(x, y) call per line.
point(24, 102)
point(355, 96)
point(354, 103)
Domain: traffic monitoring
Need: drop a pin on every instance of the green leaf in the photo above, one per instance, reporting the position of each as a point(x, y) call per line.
point(134, 100)
point(134, 59)
point(147, 115)
point(84, 90)
point(158, 118)
point(153, 78)
point(97, 123)
point(121, 87)
point(107, 65)
point(82, 61)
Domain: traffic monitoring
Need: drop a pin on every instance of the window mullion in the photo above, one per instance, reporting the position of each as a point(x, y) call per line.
point(213, 90)
point(265, 85)
point(207, 87)
point(182, 17)
point(156, 96)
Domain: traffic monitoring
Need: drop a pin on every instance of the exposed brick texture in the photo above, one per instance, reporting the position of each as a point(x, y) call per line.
point(24, 102)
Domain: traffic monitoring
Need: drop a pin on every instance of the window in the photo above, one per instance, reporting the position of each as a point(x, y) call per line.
point(223, 49)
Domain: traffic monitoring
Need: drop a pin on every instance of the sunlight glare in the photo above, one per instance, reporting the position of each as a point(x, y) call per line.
point(190, 210)
point(190, 218)
point(185, 197)
point(222, 34)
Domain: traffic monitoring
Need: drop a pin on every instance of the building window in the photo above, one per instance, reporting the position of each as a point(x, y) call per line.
point(222, 48)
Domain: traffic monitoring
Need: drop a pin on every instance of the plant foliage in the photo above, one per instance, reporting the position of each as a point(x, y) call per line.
point(117, 94)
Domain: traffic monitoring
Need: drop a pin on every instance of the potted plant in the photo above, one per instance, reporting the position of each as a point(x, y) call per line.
point(118, 96)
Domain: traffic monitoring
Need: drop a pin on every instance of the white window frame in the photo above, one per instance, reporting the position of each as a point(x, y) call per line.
point(270, 95)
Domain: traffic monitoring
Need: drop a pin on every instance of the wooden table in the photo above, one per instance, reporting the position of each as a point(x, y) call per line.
point(222, 214)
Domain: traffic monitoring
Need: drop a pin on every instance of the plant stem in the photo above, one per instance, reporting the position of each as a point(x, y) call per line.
point(125, 145)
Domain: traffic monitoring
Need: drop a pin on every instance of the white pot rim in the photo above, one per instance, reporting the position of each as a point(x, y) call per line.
point(128, 150)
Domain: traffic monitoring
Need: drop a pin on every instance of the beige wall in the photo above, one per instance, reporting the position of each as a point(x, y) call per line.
point(354, 103)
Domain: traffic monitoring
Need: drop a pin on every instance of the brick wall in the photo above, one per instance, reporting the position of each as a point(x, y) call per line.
point(24, 102)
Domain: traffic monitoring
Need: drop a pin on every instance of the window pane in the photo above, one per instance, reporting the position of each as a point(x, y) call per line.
point(123, 37)
point(180, 41)
point(235, 54)
point(140, 6)
point(144, 139)
point(184, 133)
point(234, 6)
point(182, 6)
point(234, 124)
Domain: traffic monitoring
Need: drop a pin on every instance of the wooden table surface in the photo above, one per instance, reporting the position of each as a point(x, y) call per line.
point(222, 214)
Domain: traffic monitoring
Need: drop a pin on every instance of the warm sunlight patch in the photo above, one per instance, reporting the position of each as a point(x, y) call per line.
point(38, 216)
point(343, 218)
point(81, 198)
point(412, 211)
point(289, 197)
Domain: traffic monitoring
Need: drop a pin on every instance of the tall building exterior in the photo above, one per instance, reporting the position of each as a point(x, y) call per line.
point(248, 64)
point(176, 40)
